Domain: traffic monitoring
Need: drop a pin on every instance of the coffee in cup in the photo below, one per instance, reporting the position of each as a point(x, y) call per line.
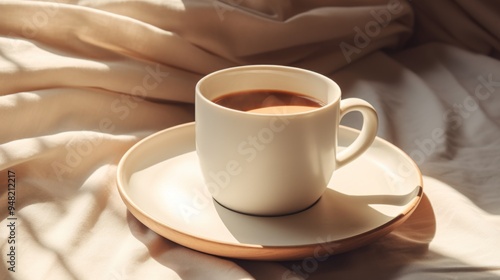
point(268, 101)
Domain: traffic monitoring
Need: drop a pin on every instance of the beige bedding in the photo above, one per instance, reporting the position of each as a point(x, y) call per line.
point(82, 81)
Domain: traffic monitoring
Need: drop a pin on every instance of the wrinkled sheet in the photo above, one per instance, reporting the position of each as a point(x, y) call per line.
point(82, 81)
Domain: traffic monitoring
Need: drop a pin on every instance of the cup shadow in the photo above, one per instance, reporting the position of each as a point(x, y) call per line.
point(387, 257)
point(335, 216)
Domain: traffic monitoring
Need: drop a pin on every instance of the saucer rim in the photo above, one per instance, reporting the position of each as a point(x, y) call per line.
point(255, 251)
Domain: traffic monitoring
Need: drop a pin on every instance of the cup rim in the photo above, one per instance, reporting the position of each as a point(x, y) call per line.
point(328, 104)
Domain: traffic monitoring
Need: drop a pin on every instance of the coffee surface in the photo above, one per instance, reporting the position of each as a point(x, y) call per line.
point(268, 101)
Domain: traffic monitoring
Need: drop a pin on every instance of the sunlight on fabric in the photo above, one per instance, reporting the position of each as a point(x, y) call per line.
point(176, 5)
point(14, 100)
point(11, 154)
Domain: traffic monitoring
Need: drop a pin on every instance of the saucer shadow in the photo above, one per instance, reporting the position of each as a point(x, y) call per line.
point(334, 217)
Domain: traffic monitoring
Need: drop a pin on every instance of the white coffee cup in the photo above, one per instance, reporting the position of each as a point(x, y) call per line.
point(276, 162)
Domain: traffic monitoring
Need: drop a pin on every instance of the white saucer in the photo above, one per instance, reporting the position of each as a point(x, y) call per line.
point(160, 182)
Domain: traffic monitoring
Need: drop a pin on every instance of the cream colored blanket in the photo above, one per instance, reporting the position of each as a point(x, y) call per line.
point(82, 81)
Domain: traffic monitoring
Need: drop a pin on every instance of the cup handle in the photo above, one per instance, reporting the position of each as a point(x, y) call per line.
point(368, 131)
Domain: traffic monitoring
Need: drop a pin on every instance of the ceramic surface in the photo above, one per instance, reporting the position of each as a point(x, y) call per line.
point(160, 181)
point(251, 161)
